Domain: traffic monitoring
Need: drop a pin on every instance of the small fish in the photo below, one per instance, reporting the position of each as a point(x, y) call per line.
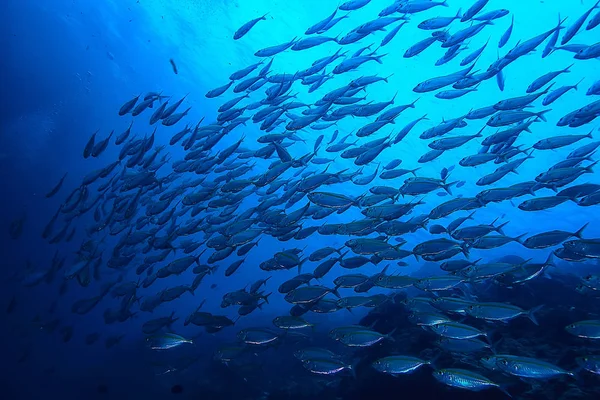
point(166, 341)
point(586, 329)
point(128, 106)
point(57, 187)
point(244, 29)
point(526, 367)
point(397, 365)
point(325, 366)
point(590, 363)
point(463, 379)
point(174, 66)
point(506, 36)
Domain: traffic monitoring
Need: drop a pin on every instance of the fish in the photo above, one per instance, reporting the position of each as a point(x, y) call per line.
point(166, 341)
point(455, 330)
point(439, 22)
point(589, 363)
point(500, 312)
point(551, 238)
point(475, 8)
point(363, 337)
point(174, 66)
point(527, 367)
point(245, 28)
point(547, 78)
point(586, 329)
point(128, 106)
point(57, 187)
point(573, 29)
point(352, 5)
point(464, 379)
point(325, 366)
point(397, 365)
point(506, 36)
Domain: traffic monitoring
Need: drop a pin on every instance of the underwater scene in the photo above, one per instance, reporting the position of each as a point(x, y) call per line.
point(310, 199)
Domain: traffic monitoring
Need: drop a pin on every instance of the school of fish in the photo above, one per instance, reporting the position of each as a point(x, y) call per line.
point(261, 178)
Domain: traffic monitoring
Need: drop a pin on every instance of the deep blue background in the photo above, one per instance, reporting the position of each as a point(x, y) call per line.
point(66, 68)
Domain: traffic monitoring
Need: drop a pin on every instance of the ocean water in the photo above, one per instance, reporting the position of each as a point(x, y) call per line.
point(69, 66)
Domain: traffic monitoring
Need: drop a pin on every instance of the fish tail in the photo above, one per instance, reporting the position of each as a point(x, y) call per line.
point(434, 360)
point(494, 346)
point(590, 168)
point(352, 367)
point(579, 233)
point(464, 249)
point(541, 116)
point(531, 314)
point(447, 187)
point(568, 69)
point(499, 228)
point(336, 293)
point(549, 261)
point(502, 388)
point(519, 238)
point(266, 297)
point(560, 24)
point(488, 336)
point(390, 335)
point(378, 58)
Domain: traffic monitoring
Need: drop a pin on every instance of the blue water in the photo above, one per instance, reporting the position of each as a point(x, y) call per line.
point(67, 68)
